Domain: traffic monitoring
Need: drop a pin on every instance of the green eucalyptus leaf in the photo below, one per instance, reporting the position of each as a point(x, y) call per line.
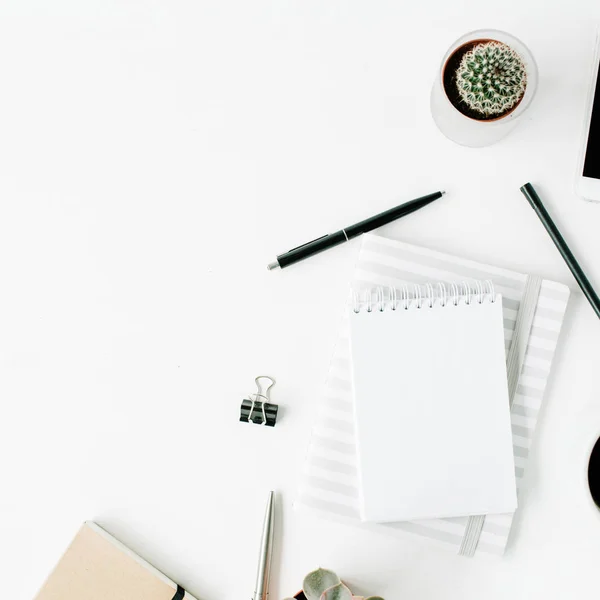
point(374, 598)
point(316, 582)
point(337, 592)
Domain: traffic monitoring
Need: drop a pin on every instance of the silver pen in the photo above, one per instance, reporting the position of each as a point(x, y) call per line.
point(261, 590)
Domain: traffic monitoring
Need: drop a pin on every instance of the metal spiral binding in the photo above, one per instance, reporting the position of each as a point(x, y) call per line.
point(429, 295)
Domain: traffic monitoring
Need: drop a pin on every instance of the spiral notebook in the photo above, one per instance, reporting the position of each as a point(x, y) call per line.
point(430, 385)
point(533, 311)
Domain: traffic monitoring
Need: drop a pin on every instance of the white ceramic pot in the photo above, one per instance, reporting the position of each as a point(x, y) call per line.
point(472, 132)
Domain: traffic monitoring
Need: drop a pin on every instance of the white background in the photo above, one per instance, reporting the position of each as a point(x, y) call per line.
point(154, 156)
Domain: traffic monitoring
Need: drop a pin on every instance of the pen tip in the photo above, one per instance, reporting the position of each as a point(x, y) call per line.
point(442, 192)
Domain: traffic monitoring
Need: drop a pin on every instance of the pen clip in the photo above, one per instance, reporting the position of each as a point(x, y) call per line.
point(307, 243)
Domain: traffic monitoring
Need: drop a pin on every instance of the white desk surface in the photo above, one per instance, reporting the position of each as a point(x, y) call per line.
point(154, 156)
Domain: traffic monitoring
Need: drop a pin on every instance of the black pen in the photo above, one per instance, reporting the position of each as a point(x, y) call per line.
point(559, 242)
point(344, 235)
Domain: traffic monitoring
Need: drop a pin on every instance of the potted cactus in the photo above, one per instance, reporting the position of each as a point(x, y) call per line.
point(323, 584)
point(486, 81)
point(489, 82)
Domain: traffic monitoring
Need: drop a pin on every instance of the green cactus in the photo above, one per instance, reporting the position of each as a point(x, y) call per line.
point(491, 78)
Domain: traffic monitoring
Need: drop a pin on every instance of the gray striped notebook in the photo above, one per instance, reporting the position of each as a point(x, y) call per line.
point(533, 314)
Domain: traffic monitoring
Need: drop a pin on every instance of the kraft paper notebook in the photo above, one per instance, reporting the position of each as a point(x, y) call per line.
point(430, 383)
point(533, 311)
point(96, 566)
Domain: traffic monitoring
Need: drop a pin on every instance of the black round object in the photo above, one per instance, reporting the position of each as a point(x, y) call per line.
point(594, 474)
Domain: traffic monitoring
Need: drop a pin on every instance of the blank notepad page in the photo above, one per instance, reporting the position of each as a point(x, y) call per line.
point(432, 409)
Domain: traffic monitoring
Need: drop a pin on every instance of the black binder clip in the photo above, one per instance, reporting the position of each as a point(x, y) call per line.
point(257, 408)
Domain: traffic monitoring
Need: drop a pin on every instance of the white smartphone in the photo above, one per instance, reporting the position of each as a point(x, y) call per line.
point(588, 172)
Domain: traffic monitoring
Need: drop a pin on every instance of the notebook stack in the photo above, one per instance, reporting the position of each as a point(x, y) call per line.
point(433, 396)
